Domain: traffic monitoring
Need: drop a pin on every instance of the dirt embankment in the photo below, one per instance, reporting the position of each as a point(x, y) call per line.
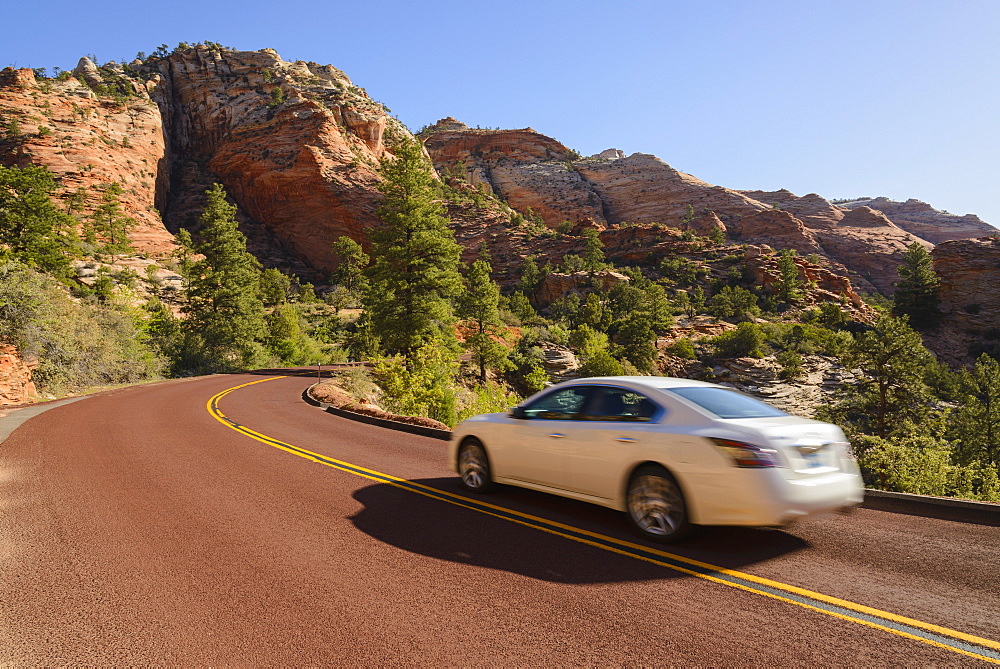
point(331, 393)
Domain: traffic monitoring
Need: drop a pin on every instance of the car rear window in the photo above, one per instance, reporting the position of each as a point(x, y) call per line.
point(726, 403)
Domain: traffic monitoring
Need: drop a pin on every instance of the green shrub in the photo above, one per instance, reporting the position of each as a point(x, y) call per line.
point(683, 348)
point(923, 465)
point(791, 365)
point(78, 344)
point(747, 340)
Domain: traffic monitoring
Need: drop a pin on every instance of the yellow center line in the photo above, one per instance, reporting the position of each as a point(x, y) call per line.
point(623, 547)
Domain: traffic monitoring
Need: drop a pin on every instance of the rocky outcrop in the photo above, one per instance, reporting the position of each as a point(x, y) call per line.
point(89, 142)
point(706, 225)
point(16, 386)
point(814, 211)
point(296, 145)
point(776, 228)
point(825, 285)
point(969, 270)
point(924, 221)
point(557, 284)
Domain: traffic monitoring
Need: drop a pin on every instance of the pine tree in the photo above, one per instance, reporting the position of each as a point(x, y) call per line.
point(31, 226)
point(350, 273)
point(110, 224)
point(479, 305)
point(890, 394)
point(976, 427)
point(593, 255)
point(917, 293)
point(225, 325)
point(788, 287)
point(415, 267)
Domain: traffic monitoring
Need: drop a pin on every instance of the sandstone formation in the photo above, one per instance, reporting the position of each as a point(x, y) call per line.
point(970, 282)
point(533, 172)
point(924, 221)
point(16, 386)
point(296, 145)
point(88, 142)
point(557, 284)
point(775, 228)
point(814, 211)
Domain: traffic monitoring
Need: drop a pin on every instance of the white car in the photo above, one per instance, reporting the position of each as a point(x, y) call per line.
point(672, 453)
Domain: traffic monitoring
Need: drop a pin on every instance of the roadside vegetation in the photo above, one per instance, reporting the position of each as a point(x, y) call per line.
point(447, 339)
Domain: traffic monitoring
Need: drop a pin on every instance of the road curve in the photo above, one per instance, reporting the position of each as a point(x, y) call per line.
point(138, 528)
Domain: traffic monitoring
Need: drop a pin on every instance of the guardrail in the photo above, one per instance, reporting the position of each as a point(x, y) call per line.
point(422, 430)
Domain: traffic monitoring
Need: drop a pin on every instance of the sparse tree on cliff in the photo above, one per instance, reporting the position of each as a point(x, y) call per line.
point(109, 224)
point(917, 294)
point(225, 325)
point(415, 267)
point(788, 287)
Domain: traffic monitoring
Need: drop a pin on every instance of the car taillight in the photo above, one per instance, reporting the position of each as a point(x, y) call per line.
point(747, 455)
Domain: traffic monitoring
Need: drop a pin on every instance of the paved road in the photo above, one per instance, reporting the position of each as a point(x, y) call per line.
point(137, 528)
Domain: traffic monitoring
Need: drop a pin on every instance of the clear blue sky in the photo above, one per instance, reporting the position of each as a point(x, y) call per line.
point(843, 98)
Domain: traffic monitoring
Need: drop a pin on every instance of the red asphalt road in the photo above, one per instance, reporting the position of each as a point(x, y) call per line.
point(137, 529)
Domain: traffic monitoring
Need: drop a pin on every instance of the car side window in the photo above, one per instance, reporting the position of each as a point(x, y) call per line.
point(619, 404)
point(566, 404)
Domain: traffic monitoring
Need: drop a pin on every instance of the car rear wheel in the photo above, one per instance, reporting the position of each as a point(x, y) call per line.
point(656, 506)
point(474, 466)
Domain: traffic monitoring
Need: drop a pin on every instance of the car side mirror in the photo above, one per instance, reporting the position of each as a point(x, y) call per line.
point(517, 412)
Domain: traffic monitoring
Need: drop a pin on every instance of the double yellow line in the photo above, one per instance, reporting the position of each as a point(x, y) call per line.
point(969, 645)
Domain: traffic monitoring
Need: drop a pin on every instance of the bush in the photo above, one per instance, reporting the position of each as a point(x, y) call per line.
point(791, 365)
point(923, 466)
point(734, 303)
point(424, 388)
point(78, 344)
point(747, 340)
point(491, 397)
point(683, 348)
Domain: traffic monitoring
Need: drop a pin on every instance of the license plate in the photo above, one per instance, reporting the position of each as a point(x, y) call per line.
point(812, 459)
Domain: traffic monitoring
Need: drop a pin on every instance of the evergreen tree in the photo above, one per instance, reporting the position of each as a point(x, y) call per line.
point(917, 293)
point(109, 223)
point(415, 268)
point(638, 342)
point(531, 277)
point(31, 226)
point(479, 305)
point(890, 393)
point(275, 286)
point(350, 273)
point(788, 286)
point(593, 313)
point(735, 303)
point(593, 255)
point(976, 424)
point(225, 325)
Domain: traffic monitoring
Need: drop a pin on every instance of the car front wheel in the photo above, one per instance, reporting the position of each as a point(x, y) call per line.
point(656, 506)
point(474, 466)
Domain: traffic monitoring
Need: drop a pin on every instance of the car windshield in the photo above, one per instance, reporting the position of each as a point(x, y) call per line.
point(726, 403)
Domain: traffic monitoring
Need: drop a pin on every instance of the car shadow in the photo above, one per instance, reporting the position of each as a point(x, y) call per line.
point(427, 526)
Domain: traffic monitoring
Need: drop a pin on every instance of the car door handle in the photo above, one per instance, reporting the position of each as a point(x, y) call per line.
point(626, 440)
point(557, 435)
